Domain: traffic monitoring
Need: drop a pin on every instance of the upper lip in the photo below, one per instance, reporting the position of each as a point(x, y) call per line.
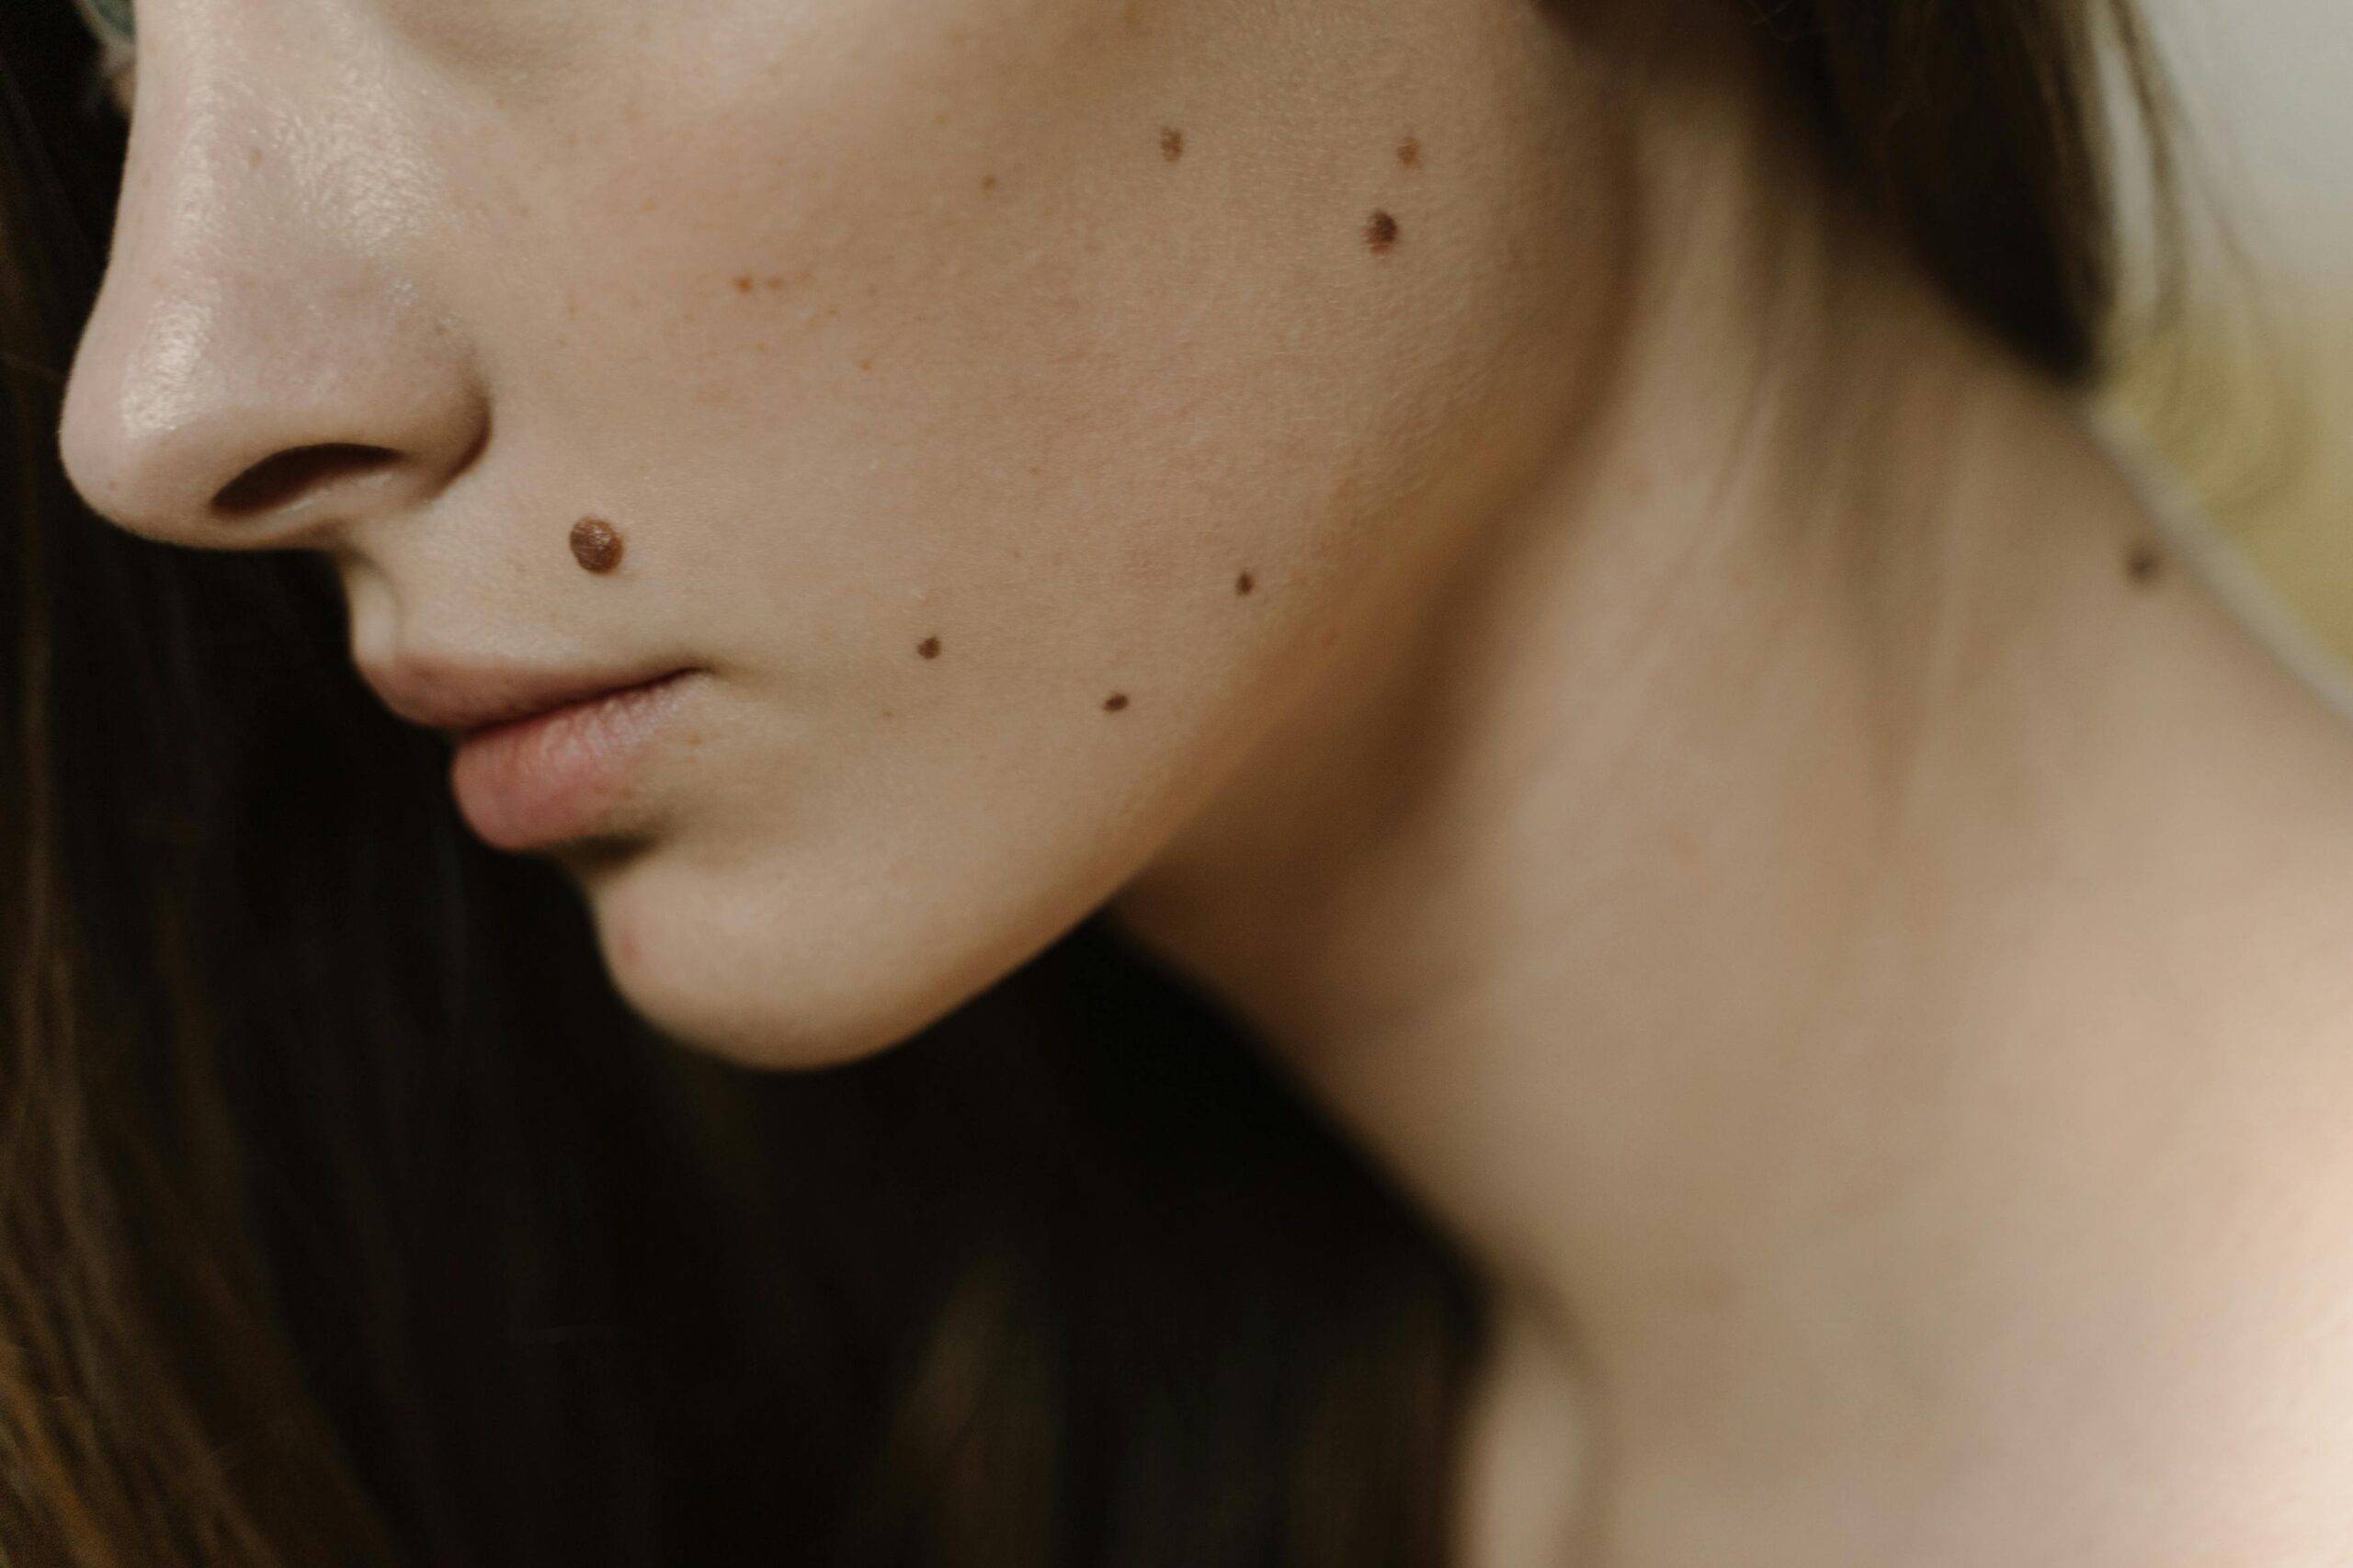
point(458, 697)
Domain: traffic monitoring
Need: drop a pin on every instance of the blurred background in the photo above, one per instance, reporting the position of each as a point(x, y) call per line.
point(2249, 386)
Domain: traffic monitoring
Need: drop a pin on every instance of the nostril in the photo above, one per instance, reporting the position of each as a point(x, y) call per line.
point(279, 479)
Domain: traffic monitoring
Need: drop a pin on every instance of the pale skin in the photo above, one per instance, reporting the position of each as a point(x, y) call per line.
point(1692, 783)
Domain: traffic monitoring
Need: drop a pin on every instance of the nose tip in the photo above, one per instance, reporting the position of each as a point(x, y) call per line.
point(226, 449)
point(260, 369)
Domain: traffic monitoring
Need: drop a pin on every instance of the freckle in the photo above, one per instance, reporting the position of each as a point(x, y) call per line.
point(776, 282)
point(866, 363)
point(1114, 702)
point(1380, 231)
point(595, 545)
point(939, 118)
point(988, 182)
point(1172, 144)
point(1245, 583)
point(928, 647)
point(2145, 566)
point(1409, 153)
point(743, 285)
point(253, 157)
point(888, 714)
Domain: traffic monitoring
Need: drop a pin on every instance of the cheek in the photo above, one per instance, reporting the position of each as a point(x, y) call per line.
point(1000, 294)
point(1014, 427)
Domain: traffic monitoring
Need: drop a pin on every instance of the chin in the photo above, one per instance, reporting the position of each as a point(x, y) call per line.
point(725, 963)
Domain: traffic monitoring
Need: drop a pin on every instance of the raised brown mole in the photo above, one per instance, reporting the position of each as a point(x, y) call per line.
point(1114, 702)
point(1245, 583)
point(928, 647)
point(1380, 232)
point(1172, 144)
point(2144, 565)
point(596, 545)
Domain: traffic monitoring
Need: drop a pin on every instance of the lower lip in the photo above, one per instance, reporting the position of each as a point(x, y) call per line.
point(560, 775)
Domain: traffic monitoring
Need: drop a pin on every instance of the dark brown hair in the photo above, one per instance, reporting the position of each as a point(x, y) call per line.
point(346, 1217)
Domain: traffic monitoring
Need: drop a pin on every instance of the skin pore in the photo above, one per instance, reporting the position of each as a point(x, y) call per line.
point(1444, 526)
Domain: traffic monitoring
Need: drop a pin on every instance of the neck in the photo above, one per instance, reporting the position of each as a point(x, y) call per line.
point(1841, 952)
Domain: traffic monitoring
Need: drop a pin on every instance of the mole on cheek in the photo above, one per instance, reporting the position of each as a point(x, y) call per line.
point(1114, 702)
point(1409, 153)
point(1245, 583)
point(2145, 566)
point(1172, 144)
point(928, 647)
point(1380, 232)
point(595, 545)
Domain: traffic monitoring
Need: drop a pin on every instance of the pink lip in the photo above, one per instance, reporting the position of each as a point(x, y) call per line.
point(556, 773)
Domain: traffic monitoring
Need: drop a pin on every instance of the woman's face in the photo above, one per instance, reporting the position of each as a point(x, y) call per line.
point(1003, 407)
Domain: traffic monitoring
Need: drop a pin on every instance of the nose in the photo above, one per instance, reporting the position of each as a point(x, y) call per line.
point(266, 365)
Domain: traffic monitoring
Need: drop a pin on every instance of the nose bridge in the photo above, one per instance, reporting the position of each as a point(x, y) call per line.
point(264, 361)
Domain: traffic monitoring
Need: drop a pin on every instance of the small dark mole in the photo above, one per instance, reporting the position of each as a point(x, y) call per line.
point(1114, 702)
point(1172, 144)
point(595, 545)
point(1380, 231)
point(2145, 566)
point(988, 182)
point(928, 647)
point(743, 284)
point(1409, 153)
point(1245, 583)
